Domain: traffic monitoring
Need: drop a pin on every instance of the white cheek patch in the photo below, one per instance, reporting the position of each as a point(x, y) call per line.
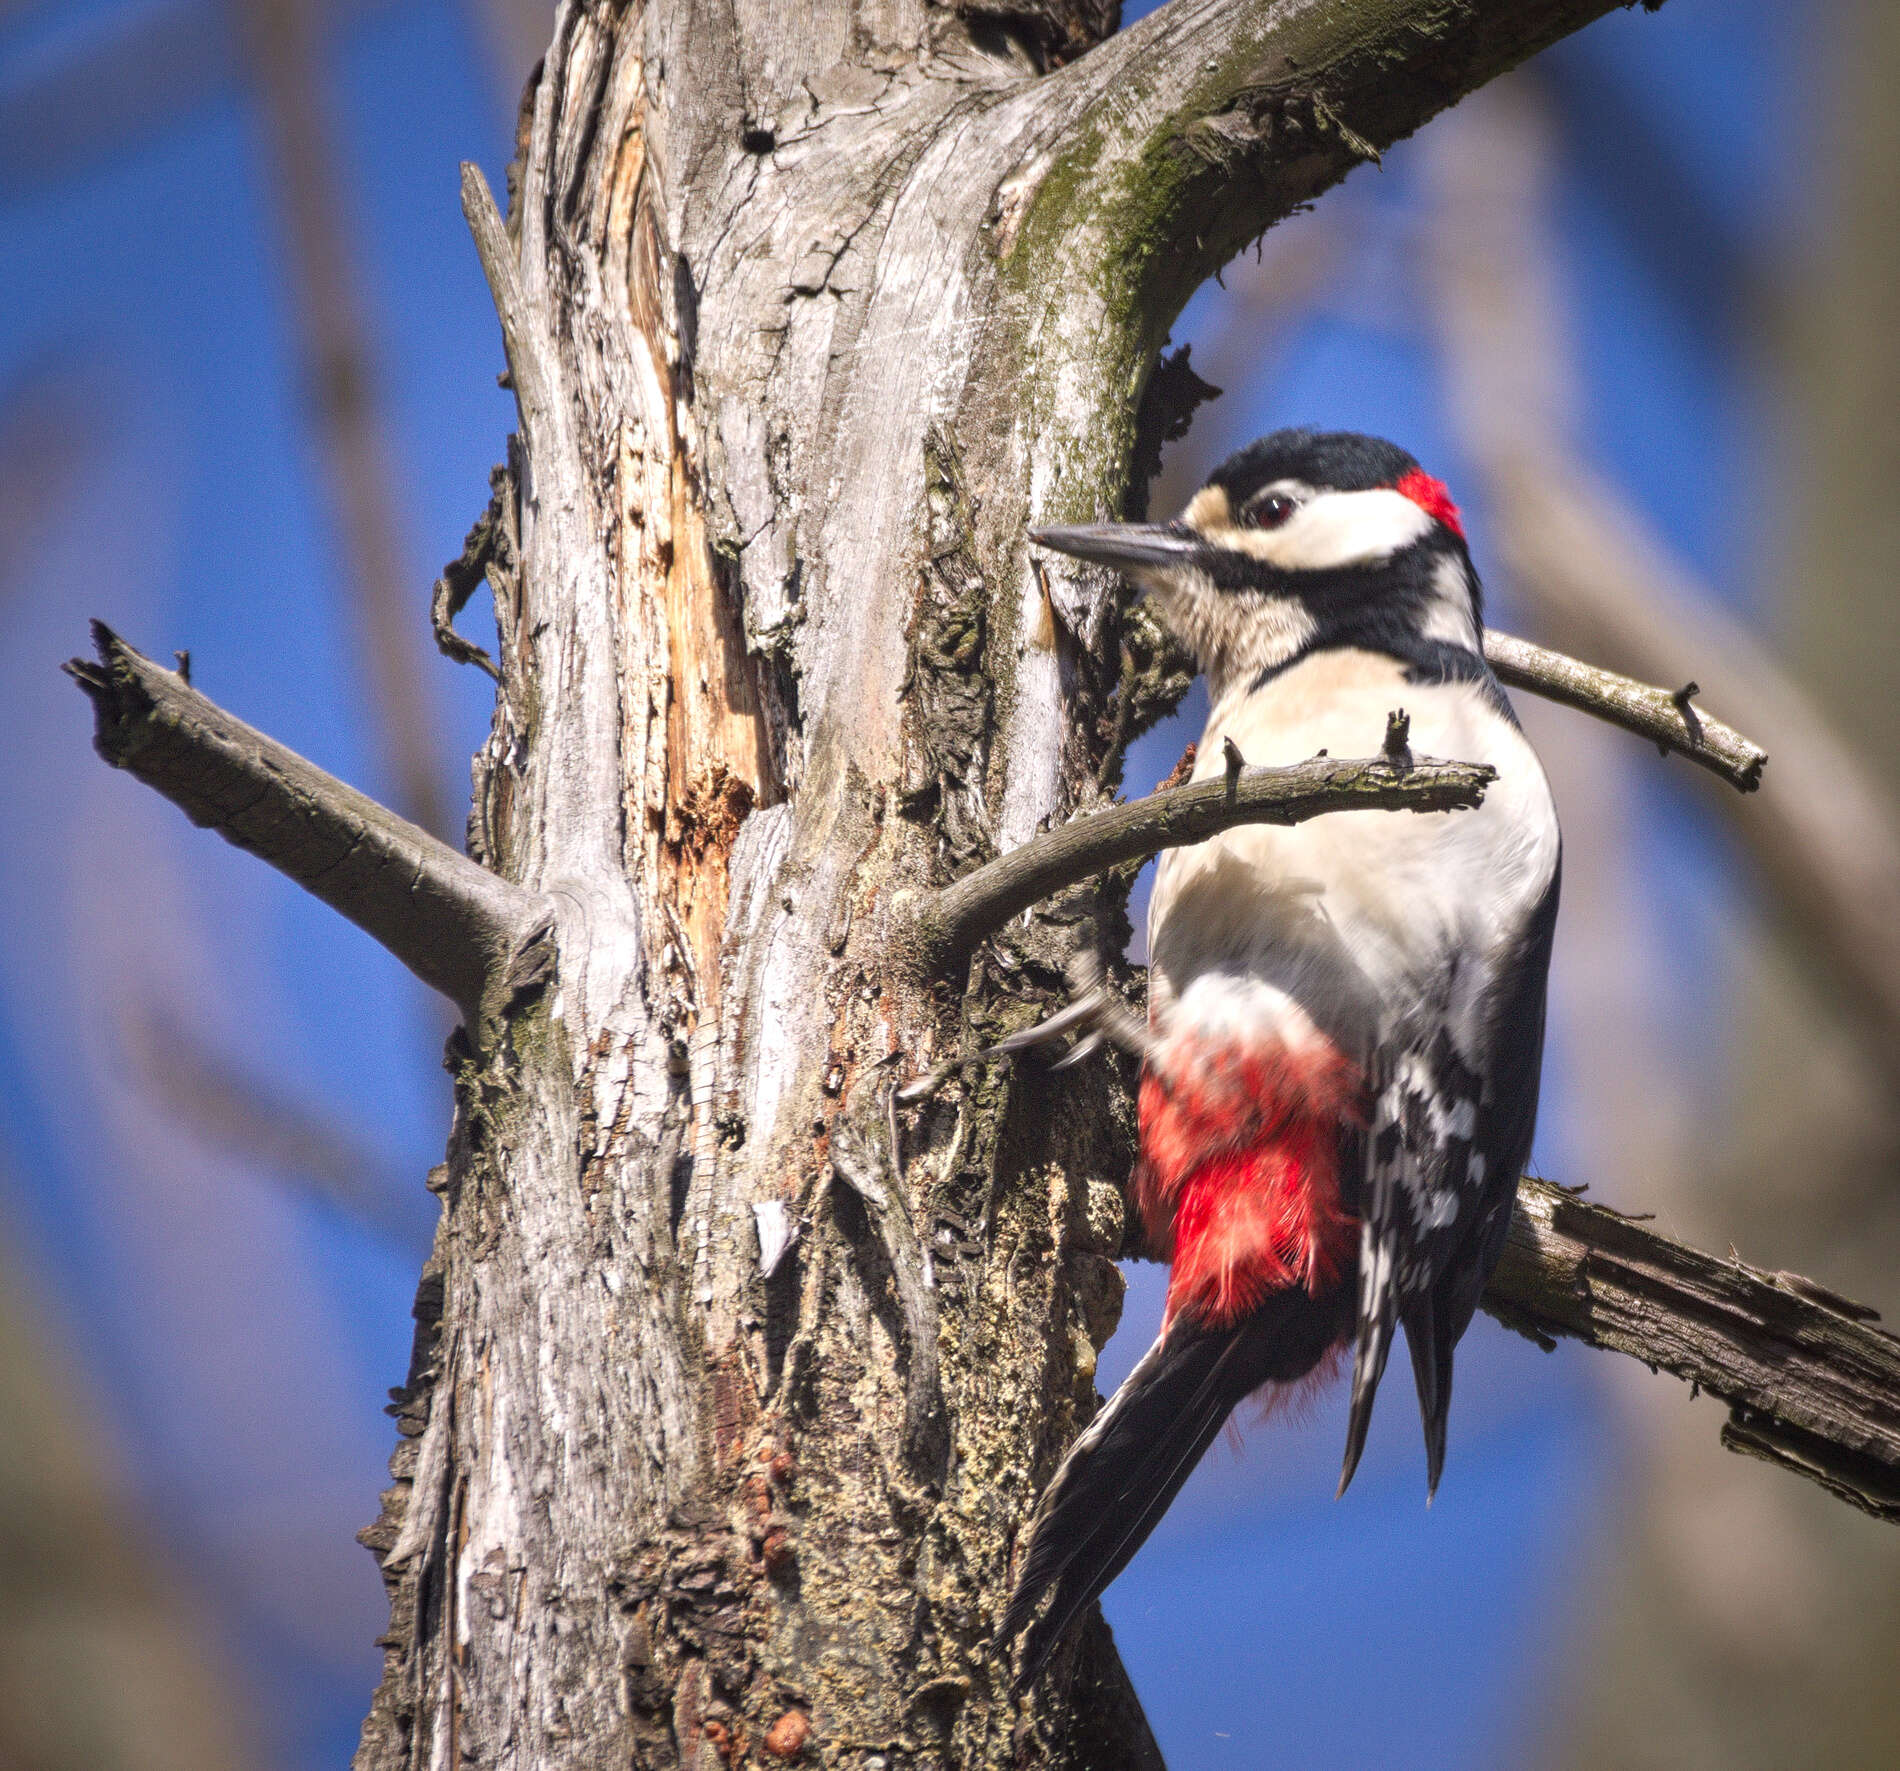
point(1335, 529)
point(1450, 615)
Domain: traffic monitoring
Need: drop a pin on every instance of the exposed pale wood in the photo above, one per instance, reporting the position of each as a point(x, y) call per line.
point(819, 307)
point(809, 311)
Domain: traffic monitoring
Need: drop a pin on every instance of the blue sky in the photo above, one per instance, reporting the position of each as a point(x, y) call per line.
point(239, 1338)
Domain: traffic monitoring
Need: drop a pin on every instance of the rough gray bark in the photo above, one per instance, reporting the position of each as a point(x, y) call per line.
point(809, 311)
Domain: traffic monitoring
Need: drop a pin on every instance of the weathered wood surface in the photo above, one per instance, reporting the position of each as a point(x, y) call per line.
point(1811, 1382)
point(453, 923)
point(810, 311)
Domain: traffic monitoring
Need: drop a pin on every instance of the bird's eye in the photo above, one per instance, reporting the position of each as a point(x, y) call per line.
point(1270, 512)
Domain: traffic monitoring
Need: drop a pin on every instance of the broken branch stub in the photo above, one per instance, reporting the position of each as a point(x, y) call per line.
point(449, 920)
point(1810, 1382)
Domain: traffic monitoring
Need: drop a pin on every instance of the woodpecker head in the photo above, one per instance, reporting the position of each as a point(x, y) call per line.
point(1302, 541)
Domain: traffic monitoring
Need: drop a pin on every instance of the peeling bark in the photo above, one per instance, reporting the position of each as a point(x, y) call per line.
point(1811, 1383)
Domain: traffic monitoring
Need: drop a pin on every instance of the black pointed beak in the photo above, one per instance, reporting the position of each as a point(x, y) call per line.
point(1129, 547)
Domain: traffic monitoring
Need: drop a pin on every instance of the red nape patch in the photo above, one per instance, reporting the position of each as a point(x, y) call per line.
point(1432, 497)
point(1239, 1173)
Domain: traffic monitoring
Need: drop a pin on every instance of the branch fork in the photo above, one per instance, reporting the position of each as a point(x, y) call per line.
point(1810, 1383)
point(458, 927)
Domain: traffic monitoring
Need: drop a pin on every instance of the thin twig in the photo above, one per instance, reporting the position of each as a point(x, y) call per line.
point(451, 922)
point(1663, 716)
point(1397, 749)
point(1810, 1383)
point(527, 370)
point(954, 919)
point(1232, 764)
point(1598, 578)
point(489, 547)
point(283, 42)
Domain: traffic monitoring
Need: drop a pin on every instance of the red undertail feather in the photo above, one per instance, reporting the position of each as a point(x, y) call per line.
point(1239, 1171)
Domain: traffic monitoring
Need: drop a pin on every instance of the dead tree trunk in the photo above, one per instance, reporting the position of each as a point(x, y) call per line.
point(809, 310)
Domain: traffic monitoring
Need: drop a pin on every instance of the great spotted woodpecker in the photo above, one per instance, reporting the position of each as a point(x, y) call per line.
point(1345, 1017)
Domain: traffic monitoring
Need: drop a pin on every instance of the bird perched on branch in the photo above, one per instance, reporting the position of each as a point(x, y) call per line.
point(1345, 1017)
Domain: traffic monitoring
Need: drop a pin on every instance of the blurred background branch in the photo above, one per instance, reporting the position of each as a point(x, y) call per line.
point(101, 1667)
point(1602, 1585)
point(256, 1122)
point(283, 44)
point(1712, 1574)
point(50, 435)
point(1596, 579)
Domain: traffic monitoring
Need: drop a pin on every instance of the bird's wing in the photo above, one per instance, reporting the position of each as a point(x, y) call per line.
point(1450, 1127)
point(1507, 1118)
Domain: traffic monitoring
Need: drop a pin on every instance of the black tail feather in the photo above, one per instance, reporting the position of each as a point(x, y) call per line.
point(1431, 1373)
point(1376, 1321)
point(1123, 1472)
point(1079, 1571)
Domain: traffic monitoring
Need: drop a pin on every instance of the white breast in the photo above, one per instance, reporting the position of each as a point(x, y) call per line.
point(1356, 917)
